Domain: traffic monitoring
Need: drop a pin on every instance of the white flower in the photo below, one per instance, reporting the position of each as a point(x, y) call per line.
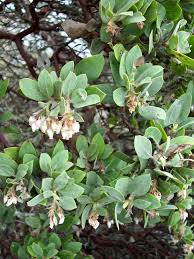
point(5, 198)
point(94, 223)
point(11, 200)
point(66, 134)
point(32, 119)
point(70, 127)
point(43, 126)
point(61, 218)
point(110, 223)
point(56, 126)
point(50, 133)
point(76, 127)
point(52, 220)
point(93, 220)
point(51, 223)
point(183, 215)
point(55, 220)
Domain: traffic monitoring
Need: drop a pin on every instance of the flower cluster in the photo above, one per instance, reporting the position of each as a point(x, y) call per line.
point(11, 197)
point(53, 218)
point(67, 125)
point(132, 101)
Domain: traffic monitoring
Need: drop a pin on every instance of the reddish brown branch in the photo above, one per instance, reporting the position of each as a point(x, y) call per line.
point(30, 62)
point(85, 9)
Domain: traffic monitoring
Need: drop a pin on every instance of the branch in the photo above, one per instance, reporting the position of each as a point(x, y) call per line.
point(86, 10)
point(30, 61)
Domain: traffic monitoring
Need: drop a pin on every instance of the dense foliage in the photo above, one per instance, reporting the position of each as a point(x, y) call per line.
point(149, 44)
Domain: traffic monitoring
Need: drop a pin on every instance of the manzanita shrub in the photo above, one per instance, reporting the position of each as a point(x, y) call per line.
point(150, 44)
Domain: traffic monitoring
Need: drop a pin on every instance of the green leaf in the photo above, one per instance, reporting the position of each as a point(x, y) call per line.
point(27, 148)
point(154, 133)
point(3, 87)
point(45, 163)
point(36, 200)
point(47, 184)
point(174, 219)
point(155, 203)
point(85, 215)
point(189, 122)
point(12, 152)
point(132, 56)
point(115, 194)
point(59, 160)
point(122, 185)
point(37, 250)
point(152, 113)
point(99, 142)
point(186, 102)
point(182, 140)
point(74, 247)
point(58, 147)
point(82, 144)
point(189, 62)
point(77, 175)
point(90, 100)
point(141, 204)
point(119, 96)
point(5, 159)
point(82, 81)
point(69, 84)
point(67, 203)
point(22, 170)
point(173, 10)
point(66, 69)
point(45, 83)
point(114, 65)
point(6, 170)
point(137, 17)
point(143, 147)
point(122, 67)
point(93, 89)
point(91, 66)
point(173, 113)
point(30, 89)
point(140, 185)
point(169, 175)
point(118, 51)
point(54, 238)
point(33, 222)
point(61, 181)
point(123, 6)
point(73, 190)
point(79, 95)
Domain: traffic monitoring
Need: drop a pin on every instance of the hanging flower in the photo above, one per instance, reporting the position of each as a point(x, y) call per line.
point(132, 101)
point(10, 198)
point(93, 220)
point(67, 125)
point(183, 214)
point(54, 213)
point(69, 128)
